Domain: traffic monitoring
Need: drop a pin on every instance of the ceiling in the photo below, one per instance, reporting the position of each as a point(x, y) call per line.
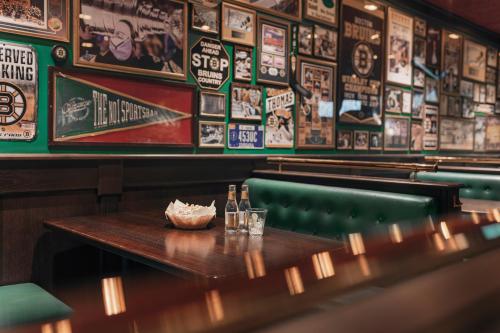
point(484, 13)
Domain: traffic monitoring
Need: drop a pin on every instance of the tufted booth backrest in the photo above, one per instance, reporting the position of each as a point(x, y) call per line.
point(476, 185)
point(333, 211)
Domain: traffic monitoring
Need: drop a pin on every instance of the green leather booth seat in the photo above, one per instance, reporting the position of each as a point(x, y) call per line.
point(476, 185)
point(333, 211)
point(28, 303)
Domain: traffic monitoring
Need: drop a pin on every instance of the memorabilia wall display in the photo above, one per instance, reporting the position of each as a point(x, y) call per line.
point(450, 106)
point(431, 127)
point(479, 94)
point(480, 133)
point(243, 60)
point(467, 108)
point(47, 19)
point(321, 11)
point(361, 140)
point(420, 27)
point(95, 109)
point(491, 94)
point(491, 75)
point(316, 115)
point(466, 88)
point(433, 48)
point(492, 140)
point(418, 78)
point(279, 118)
point(325, 43)
point(245, 136)
point(431, 90)
point(273, 51)
point(361, 72)
point(212, 104)
point(417, 136)
point(452, 51)
point(418, 105)
point(305, 40)
point(456, 134)
point(123, 39)
point(399, 47)
point(474, 64)
point(492, 60)
point(238, 24)
point(419, 50)
point(209, 63)
point(289, 9)
point(211, 134)
point(18, 92)
point(376, 140)
point(246, 102)
point(344, 140)
point(396, 133)
point(205, 19)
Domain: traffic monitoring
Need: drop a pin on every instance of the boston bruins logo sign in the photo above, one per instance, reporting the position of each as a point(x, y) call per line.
point(362, 59)
point(12, 104)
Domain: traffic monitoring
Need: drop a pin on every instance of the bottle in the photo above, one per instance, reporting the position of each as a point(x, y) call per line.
point(242, 207)
point(231, 211)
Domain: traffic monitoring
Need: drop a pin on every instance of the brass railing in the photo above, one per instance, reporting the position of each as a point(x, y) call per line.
point(458, 159)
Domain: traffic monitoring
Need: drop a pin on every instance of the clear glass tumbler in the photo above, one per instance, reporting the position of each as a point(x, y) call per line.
point(256, 221)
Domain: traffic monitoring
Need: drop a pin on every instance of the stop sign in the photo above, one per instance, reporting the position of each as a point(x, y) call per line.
point(209, 63)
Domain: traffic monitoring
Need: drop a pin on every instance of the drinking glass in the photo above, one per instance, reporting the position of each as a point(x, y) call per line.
point(256, 221)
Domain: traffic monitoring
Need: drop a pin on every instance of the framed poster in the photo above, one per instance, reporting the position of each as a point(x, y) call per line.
point(419, 50)
point(491, 75)
point(456, 134)
point(417, 136)
point(474, 64)
point(238, 24)
point(376, 140)
point(212, 104)
point(479, 94)
point(480, 134)
point(418, 105)
point(273, 48)
point(18, 92)
point(325, 43)
point(322, 11)
point(288, 9)
point(122, 39)
point(246, 102)
point(245, 136)
point(467, 108)
point(431, 121)
point(431, 90)
point(205, 19)
point(344, 140)
point(492, 139)
point(418, 78)
point(361, 69)
point(399, 47)
point(420, 27)
point(48, 19)
point(316, 115)
point(93, 109)
point(491, 94)
point(305, 40)
point(280, 127)
point(492, 60)
point(211, 134)
point(433, 48)
point(452, 52)
point(243, 61)
point(450, 106)
point(361, 140)
point(466, 88)
point(396, 133)
point(393, 99)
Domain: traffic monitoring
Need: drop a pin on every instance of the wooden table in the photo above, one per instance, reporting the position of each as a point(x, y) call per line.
point(208, 253)
point(479, 206)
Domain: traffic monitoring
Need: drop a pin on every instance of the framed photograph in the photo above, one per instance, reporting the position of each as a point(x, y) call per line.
point(420, 28)
point(245, 136)
point(492, 57)
point(396, 133)
point(325, 43)
point(325, 12)
point(452, 54)
point(113, 37)
point(205, 19)
point(305, 40)
point(246, 102)
point(417, 136)
point(211, 134)
point(212, 104)
point(484, 108)
point(467, 108)
point(280, 128)
point(273, 51)
point(491, 75)
point(418, 78)
point(492, 141)
point(431, 90)
point(466, 88)
point(479, 95)
point(456, 134)
point(90, 109)
point(491, 94)
point(288, 9)
point(419, 50)
point(242, 64)
point(450, 106)
point(474, 64)
point(407, 100)
point(480, 134)
point(48, 19)
point(376, 140)
point(344, 140)
point(393, 99)
point(238, 24)
point(418, 105)
point(399, 47)
point(361, 140)
point(433, 48)
point(316, 115)
point(431, 121)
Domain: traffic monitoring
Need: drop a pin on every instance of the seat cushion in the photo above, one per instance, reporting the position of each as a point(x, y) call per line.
point(28, 303)
point(476, 185)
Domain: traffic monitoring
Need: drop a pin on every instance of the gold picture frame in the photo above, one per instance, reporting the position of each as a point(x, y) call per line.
point(231, 34)
point(220, 144)
point(474, 67)
point(322, 14)
point(205, 28)
point(295, 4)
